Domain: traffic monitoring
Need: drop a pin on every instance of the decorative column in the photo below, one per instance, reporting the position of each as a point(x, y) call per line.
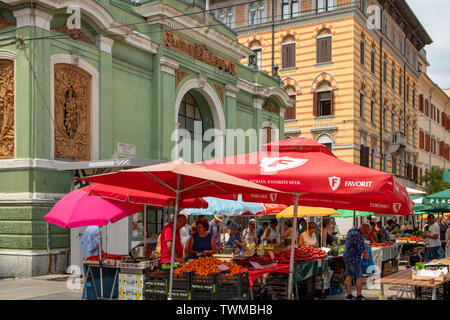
point(281, 123)
point(258, 104)
point(107, 146)
point(167, 99)
point(231, 92)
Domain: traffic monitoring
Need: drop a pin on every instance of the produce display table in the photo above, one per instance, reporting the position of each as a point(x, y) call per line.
point(307, 269)
point(391, 252)
point(404, 279)
point(255, 274)
point(92, 285)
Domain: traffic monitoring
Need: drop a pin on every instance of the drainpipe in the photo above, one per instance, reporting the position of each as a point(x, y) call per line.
point(405, 168)
point(273, 33)
point(382, 157)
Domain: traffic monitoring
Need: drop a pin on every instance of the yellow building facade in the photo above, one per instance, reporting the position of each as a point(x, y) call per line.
point(353, 68)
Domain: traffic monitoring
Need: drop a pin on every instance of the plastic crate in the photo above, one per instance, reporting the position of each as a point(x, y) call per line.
point(278, 285)
point(181, 294)
point(181, 282)
point(157, 275)
point(155, 296)
point(203, 283)
point(235, 287)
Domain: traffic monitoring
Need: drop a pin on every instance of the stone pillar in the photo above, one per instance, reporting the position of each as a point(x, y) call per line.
point(230, 110)
point(258, 104)
point(167, 116)
point(106, 143)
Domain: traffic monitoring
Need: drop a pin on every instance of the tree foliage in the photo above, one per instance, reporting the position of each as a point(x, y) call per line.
point(433, 181)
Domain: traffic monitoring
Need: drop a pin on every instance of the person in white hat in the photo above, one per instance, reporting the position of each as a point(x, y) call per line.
point(214, 229)
point(250, 234)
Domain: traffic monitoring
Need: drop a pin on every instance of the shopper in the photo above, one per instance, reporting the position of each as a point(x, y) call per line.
point(214, 229)
point(443, 226)
point(91, 245)
point(249, 233)
point(301, 226)
point(326, 238)
point(271, 235)
point(309, 237)
point(286, 233)
point(433, 243)
point(236, 237)
point(167, 240)
point(202, 243)
point(353, 252)
point(447, 239)
point(406, 229)
point(381, 235)
point(372, 236)
point(390, 230)
point(259, 232)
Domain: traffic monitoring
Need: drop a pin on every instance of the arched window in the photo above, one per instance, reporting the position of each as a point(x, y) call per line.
point(288, 52)
point(372, 59)
point(362, 51)
point(393, 77)
point(393, 121)
point(361, 102)
point(372, 108)
point(385, 69)
point(256, 47)
point(257, 12)
point(323, 100)
point(190, 118)
point(364, 153)
point(326, 140)
point(324, 41)
point(385, 118)
point(400, 83)
point(290, 113)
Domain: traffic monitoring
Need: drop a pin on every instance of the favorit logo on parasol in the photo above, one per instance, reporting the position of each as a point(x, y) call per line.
point(335, 183)
point(271, 165)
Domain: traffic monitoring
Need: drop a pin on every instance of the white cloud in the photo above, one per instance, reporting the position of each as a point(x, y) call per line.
point(434, 15)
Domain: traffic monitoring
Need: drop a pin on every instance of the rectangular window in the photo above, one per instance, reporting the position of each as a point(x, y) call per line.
point(407, 92)
point(324, 50)
point(394, 165)
point(372, 61)
point(393, 79)
point(285, 14)
point(258, 53)
point(393, 122)
point(361, 106)
point(290, 113)
point(363, 54)
point(295, 8)
point(372, 111)
point(384, 119)
point(288, 58)
point(325, 103)
point(400, 84)
point(385, 71)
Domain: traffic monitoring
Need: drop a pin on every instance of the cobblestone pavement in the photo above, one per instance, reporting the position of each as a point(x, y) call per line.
point(54, 287)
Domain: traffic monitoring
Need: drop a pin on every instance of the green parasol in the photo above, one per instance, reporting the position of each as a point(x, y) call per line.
point(352, 213)
point(446, 175)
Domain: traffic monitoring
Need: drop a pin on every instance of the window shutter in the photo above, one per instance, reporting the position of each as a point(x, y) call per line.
point(433, 110)
point(441, 148)
point(427, 112)
point(444, 119)
point(316, 104)
point(427, 142)
point(327, 55)
point(291, 55)
point(319, 49)
point(421, 140)
point(437, 116)
point(284, 56)
point(332, 102)
point(421, 103)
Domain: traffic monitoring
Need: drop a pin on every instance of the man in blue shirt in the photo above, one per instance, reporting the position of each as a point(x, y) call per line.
point(214, 229)
point(354, 249)
point(90, 242)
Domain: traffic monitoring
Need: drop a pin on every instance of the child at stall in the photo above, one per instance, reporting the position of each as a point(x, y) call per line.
point(416, 256)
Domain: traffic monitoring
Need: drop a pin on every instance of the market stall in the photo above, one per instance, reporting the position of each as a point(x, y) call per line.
point(421, 284)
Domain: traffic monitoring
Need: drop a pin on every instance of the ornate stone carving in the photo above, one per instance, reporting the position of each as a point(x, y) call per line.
point(269, 107)
point(4, 23)
point(6, 109)
point(72, 113)
point(74, 34)
point(220, 91)
point(179, 76)
point(198, 52)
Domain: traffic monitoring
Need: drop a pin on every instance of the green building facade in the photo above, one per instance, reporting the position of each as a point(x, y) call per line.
point(107, 85)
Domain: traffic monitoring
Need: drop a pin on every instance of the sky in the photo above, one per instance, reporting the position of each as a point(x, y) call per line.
point(433, 14)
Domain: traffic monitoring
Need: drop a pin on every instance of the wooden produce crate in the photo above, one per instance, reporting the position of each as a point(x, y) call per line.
point(386, 269)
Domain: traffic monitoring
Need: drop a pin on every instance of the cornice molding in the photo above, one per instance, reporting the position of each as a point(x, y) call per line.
point(259, 90)
point(231, 91)
point(158, 13)
point(168, 65)
point(33, 17)
point(100, 16)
